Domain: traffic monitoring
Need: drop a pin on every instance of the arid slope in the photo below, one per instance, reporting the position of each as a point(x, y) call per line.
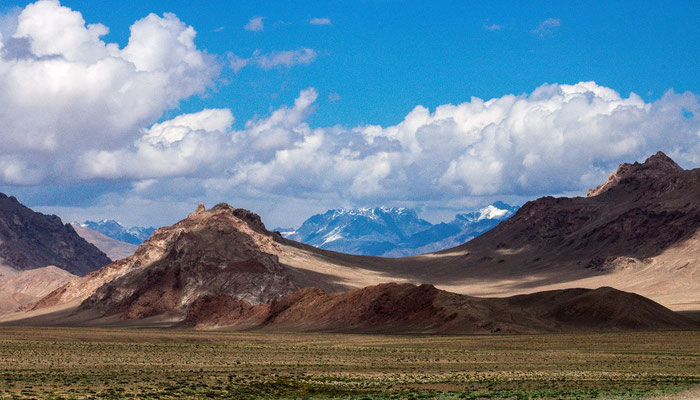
point(115, 249)
point(18, 288)
point(221, 251)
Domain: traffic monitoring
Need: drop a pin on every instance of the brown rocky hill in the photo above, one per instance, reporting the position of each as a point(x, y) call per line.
point(406, 308)
point(31, 240)
point(639, 231)
point(221, 251)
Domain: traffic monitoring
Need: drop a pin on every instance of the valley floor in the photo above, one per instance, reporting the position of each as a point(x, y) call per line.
point(117, 363)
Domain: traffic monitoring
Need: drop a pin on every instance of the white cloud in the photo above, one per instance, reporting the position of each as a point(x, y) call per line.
point(64, 91)
point(320, 21)
point(493, 27)
point(286, 58)
point(185, 145)
point(255, 24)
point(559, 138)
point(333, 96)
point(546, 27)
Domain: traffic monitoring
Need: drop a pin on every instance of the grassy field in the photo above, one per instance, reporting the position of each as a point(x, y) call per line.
point(98, 363)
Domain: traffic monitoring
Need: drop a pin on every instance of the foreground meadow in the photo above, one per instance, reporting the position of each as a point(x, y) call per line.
point(101, 363)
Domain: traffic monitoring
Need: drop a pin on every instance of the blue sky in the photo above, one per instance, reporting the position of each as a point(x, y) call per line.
point(385, 57)
point(372, 64)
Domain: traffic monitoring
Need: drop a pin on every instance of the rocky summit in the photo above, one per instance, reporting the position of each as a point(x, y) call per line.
point(220, 251)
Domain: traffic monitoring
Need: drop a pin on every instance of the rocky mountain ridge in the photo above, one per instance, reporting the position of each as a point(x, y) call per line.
point(30, 240)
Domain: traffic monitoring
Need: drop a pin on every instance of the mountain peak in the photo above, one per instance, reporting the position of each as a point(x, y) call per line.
point(661, 162)
point(252, 220)
point(218, 251)
point(653, 168)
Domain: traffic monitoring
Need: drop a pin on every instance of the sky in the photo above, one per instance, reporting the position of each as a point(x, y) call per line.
point(137, 112)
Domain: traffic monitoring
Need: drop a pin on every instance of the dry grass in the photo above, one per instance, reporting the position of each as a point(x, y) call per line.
point(100, 363)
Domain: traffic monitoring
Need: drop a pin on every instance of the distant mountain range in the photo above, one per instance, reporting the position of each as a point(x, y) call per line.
point(558, 264)
point(393, 232)
point(108, 227)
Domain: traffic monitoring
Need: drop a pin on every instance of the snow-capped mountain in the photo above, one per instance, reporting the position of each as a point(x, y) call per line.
point(393, 232)
point(108, 227)
point(360, 231)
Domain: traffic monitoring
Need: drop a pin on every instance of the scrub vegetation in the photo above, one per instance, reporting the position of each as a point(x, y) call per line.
point(111, 363)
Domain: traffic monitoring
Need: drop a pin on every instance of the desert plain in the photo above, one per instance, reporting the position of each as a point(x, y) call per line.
point(101, 363)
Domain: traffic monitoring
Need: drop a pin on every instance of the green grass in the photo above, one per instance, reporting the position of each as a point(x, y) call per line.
point(100, 363)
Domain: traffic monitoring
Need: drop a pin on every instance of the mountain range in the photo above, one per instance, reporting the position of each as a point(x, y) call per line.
point(620, 258)
point(393, 232)
point(111, 228)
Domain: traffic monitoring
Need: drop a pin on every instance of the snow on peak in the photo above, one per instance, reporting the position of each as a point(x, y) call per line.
point(332, 236)
point(371, 213)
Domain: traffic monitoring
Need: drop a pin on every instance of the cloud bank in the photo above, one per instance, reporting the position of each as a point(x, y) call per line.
point(75, 109)
point(556, 139)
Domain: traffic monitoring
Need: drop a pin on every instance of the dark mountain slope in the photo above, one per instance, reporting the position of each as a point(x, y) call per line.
point(31, 240)
point(640, 211)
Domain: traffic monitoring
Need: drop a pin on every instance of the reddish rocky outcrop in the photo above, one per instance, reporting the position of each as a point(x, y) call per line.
point(406, 308)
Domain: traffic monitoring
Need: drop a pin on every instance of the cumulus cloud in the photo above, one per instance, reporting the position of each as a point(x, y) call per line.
point(64, 91)
point(546, 27)
point(267, 61)
point(320, 21)
point(181, 146)
point(559, 138)
point(255, 24)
